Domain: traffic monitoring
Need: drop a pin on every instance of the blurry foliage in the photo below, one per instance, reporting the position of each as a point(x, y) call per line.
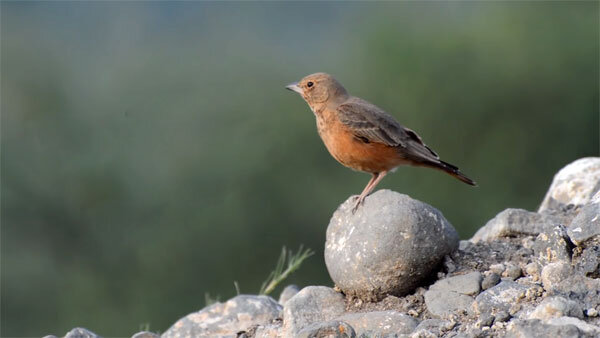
point(150, 154)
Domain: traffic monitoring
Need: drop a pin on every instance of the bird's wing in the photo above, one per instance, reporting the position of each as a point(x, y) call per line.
point(371, 123)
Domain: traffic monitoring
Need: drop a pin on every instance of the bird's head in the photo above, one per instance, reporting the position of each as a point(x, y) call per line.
point(319, 89)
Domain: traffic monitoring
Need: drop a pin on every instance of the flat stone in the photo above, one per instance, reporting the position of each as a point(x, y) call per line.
point(584, 327)
point(534, 328)
point(453, 293)
point(311, 305)
point(335, 328)
point(443, 303)
point(227, 319)
point(380, 323)
point(466, 284)
point(515, 222)
point(499, 298)
point(388, 247)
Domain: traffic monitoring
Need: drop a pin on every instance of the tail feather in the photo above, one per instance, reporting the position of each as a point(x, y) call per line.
point(453, 171)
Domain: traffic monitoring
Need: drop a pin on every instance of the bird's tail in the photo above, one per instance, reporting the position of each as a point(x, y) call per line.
point(452, 170)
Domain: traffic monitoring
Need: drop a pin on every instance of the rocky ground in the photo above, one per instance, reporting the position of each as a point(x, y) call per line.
point(400, 271)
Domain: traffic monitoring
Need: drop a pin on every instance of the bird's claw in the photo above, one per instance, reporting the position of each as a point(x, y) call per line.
point(359, 201)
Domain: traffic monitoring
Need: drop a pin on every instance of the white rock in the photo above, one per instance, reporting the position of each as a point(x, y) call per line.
point(574, 184)
point(554, 307)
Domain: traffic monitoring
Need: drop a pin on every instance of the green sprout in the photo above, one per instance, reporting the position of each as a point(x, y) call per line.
point(294, 261)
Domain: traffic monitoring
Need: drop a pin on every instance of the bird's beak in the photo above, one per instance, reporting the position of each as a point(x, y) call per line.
point(294, 87)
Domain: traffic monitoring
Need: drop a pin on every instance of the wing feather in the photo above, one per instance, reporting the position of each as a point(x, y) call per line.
point(368, 121)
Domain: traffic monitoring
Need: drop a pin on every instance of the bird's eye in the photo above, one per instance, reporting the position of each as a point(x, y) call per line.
point(309, 84)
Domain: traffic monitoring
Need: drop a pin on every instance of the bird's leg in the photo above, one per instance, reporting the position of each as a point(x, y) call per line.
point(373, 178)
point(370, 186)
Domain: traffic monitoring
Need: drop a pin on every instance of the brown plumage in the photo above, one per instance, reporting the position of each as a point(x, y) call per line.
point(362, 136)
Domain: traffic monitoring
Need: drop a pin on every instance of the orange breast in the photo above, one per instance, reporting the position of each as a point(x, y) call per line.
point(353, 152)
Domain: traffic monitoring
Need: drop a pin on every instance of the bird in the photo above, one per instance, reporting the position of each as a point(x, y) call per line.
point(362, 136)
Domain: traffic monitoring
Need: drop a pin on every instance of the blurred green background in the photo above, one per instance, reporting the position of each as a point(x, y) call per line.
point(150, 152)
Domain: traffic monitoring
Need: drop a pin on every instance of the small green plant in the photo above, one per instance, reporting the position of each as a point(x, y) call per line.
point(294, 261)
point(209, 300)
point(144, 327)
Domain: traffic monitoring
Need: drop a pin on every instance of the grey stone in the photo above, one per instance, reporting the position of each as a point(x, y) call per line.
point(311, 305)
point(588, 262)
point(422, 333)
point(512, 271)
point(534, 270)
point(466, 284)
point(580, 324)
point(501, 316)
point(484, 320)
point(145, 334)
point(492, 279)
point(560, 278)
point(337, 329)
point(464, 245)
point(380, 323)
point(443, 303)
point(448, 265)
point(474, 332)
point(452, 293)
point(554, 273)
point(433, 328)
point(389, 246)
point(574, 184)
point(287, 293)
point(535, 328)
point(515, 222)
point(227, 319)
point(499, 298)
point(80, 332)
point(497, 268)
point(269, 330)
point(553, 307)
point(586, 225)
point(553, 246)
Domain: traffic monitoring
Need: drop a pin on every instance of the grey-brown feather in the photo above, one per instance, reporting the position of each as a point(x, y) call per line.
point(369, 121)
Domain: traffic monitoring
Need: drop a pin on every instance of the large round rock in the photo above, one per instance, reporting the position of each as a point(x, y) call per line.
point(388, 246)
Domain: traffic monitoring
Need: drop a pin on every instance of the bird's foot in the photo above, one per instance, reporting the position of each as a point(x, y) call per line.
point(359, 201)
